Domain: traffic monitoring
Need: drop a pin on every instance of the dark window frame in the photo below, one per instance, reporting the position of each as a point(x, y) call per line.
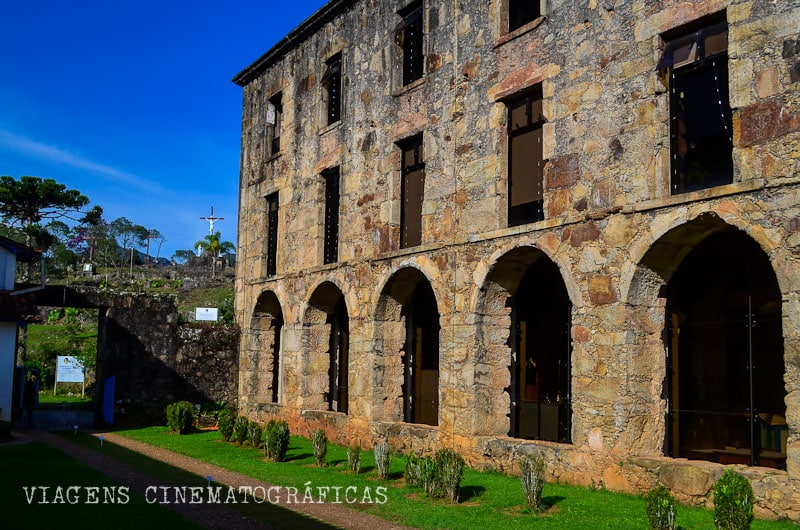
point(521, 12)
point(272, 233)
point(332, 200)
point(695, 64)
point(332, 81)
point(411, 37)
point(412, 179)
point(520, 213)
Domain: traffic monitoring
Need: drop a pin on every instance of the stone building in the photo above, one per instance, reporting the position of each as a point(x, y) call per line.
point(506, 227)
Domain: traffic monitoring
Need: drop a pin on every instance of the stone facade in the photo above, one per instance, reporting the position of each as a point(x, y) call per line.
point(612, 225)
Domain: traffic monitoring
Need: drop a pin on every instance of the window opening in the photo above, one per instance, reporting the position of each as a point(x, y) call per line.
point(332, 81)
point(525, 159)
point(272, 233)
point(412, 189)
point(331, 239)
point(696, 65)
point(274, 119)
point(520, 12)
point(410, 39)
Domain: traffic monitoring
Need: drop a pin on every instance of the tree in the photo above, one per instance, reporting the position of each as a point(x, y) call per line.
point(30, 200)
point(213, 245)
point(183, 257)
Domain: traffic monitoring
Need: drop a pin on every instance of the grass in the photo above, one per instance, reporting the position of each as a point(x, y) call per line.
point(489, 500)
point(46, 397)
point(36, 464)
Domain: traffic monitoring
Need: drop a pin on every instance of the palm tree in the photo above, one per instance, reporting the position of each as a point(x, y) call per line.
point(213, 244)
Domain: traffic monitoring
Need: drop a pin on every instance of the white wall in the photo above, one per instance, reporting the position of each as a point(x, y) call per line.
point(8, 263)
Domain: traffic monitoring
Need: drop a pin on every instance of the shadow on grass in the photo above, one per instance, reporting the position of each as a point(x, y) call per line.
point(297, 456)
point(274, 515)
point(469, 492)
point(551, 501)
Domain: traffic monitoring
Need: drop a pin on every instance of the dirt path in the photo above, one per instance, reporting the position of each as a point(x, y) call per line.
point(213, 516)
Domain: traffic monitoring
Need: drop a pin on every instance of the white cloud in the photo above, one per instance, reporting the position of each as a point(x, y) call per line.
point(57, 155)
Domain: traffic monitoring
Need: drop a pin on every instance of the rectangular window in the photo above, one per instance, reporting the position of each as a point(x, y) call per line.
point(272, 233)
point(412, 188)
point(695, 62)
point(520, 12)
point(525, 162)
point(274, 118)
point(410, 39)
point(332, 82)
point(331, 244)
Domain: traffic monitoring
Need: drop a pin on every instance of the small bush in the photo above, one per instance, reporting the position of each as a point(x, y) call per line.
point(733, 501)
point(180, 416)
point(225, 420)
point(533, 468)
point(240, 428)
point(413, 473)
point(354, 457)
point(660, 509)
point(276, 440)
point(254, 434)
point(319, 442)
point(429, 479)
point(450, 470)
point(382, 458)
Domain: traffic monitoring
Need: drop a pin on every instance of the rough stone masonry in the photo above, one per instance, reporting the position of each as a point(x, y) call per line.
point(424, 185)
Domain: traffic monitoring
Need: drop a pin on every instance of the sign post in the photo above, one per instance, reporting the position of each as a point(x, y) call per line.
point(69, 370)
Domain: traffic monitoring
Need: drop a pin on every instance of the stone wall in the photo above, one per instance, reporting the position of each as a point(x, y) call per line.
point(612, 225)
point(155, 358)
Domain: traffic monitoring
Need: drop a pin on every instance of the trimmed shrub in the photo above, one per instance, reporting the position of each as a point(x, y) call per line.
point(276, 440)
point(180, 416)
point(660, 509)
point(450, 470)
point(319, 442)
point(225, 420)
point(533, 468)
point(382, 458)
point(240, 428)
point(413, 473)
point(254, 434)
point(354, 457)
point(429, 479)
point(733, 501)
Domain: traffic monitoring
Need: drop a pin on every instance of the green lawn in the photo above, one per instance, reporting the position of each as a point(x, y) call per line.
point(36, 464)
point(489, 500)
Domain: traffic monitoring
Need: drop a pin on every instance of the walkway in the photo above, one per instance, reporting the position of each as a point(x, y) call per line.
point(212, 516)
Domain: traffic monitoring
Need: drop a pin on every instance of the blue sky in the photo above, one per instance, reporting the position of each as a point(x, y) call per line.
point(132, 103)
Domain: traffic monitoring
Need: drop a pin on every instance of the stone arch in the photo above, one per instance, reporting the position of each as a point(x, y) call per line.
point(325, 350)
point(497, 362)
point(406, 346)
point(662, 302)
point(261, 364)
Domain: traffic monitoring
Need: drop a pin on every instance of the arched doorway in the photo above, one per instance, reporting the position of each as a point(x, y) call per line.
point(262, 363)
point(724, 345)
point(540, 355)
point(407, 329)
point(421, 357)
point(524, 337)
point(326, 349)
point(339, 350)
